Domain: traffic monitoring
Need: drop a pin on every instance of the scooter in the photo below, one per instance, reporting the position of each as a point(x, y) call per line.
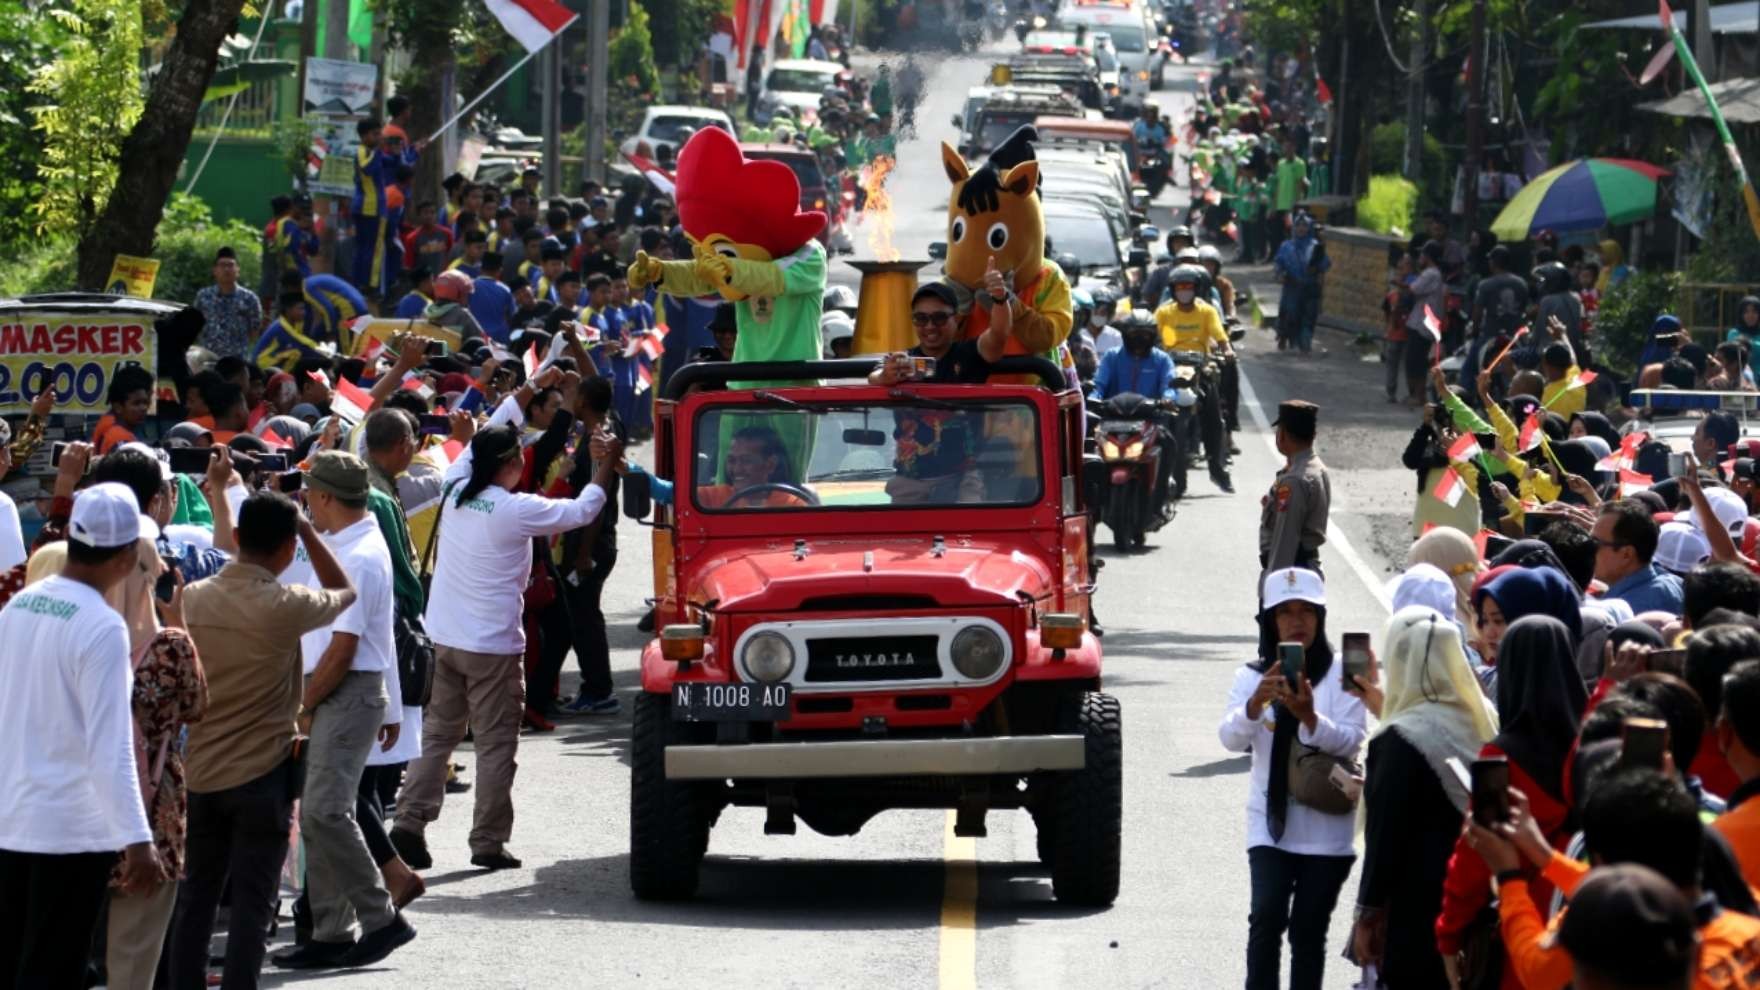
point(1201, 374)
point(1155, 170)
point(1129, 437)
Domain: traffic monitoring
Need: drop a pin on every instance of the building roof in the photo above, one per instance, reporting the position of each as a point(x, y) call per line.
point(1726, 18)
point(1739, 99)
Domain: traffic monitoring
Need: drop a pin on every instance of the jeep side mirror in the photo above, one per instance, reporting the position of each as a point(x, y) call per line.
point(938, 250)
point(1237, 334)
point(864, 438)
point(638, 501)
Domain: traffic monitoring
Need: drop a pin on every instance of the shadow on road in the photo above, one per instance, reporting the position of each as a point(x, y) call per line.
point(1217, 768)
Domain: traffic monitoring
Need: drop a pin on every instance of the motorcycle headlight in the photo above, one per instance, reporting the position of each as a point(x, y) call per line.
point(977, 652)
point(768, 657)
point(1134, 451)
point(1109, 450)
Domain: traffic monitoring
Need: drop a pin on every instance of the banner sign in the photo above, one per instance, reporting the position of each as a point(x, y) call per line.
point(76, 354)
point(339, 88)
point(335, 172)
point(132, 276)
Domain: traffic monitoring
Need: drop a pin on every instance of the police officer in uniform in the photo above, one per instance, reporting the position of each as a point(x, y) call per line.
point(1293, 524)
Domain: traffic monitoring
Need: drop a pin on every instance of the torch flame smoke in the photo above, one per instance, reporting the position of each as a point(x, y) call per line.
point(878, 208)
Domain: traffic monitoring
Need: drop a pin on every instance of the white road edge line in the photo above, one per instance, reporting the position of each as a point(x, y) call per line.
point(1335, 537)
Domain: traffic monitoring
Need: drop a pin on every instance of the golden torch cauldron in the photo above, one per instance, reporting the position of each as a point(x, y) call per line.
point(883, 311)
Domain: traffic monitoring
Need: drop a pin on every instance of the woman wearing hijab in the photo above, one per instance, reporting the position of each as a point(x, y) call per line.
point(1413, 802)
point(1664, 340)
point(1614, 269)
point(1452, 552)
point(1540, 700)
point(1299, 856)
point(1747, 330)
point(1593, 424)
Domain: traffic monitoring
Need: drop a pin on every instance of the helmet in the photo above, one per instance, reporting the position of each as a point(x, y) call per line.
point(1080, 299)
point(1138, 320)
point(1178, 232)
point(840, 297)
point(1071, 265)
point(452, 286)
point(1553, 277)
point(1105, 298)
point(1209, 253)
point(1188, 256)
point(836, 326)
point(1186, 275)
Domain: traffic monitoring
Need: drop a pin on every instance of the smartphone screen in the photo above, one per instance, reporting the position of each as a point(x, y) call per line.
point(1356, 655)
point(1677, 465)
point(1643, 743)
point(275, 463)
point(1291, 657)
point(55, 451)
point(436, 348)
point(166, 586)
point(290, 482)
point(1490, 791)
point(436, 424)
point(191, 460)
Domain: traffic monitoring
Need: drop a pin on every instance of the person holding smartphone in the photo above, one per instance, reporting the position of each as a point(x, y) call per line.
point(1432, 711)
point(1299, 856)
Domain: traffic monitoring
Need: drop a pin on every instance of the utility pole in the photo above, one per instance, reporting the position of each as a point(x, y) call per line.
point(335, 29)
point(1414, 158)
point(1475, 116)
point(549, 80)
point(598, 90)
point(1699, 33)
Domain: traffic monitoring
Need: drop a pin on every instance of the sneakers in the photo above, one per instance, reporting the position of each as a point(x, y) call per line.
point(583, 705)
point(495, 861)
point(315, 955)
point(411, 848)
point(381, 942)
point(454, 783)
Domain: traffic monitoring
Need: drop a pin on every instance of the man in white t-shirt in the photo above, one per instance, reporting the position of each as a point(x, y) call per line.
point(67, 755)
point(347, 712)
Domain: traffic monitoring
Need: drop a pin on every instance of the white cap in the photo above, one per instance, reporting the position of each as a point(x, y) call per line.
point(157, 454)
point(105, 516)
point(1729, 508)
point(1680, 547)
point(1293, 584)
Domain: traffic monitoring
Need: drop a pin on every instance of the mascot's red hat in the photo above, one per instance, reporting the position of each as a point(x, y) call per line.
point(720, 191)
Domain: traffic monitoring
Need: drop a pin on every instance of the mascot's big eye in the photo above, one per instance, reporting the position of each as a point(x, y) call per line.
point(998, 236)
point(727, 250)
point(959, 229)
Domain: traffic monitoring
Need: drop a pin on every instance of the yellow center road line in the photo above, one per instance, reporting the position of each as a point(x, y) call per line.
point(959, 912)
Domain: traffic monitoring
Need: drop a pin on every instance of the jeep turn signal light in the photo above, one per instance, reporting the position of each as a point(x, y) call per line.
point(1060, 630)
point(682, 642)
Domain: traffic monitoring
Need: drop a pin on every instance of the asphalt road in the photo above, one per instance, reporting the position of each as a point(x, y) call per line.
point(904, 903)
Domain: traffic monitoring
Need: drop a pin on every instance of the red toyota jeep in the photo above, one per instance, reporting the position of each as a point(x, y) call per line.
point(871, 597)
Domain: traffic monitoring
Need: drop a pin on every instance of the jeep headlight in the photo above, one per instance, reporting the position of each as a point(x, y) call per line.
point(767, 657)
point(977, 652)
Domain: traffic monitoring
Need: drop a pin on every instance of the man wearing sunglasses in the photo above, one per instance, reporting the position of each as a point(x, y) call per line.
point(963, 362)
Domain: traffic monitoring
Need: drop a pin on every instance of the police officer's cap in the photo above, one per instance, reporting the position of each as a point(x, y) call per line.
point(1298, 418)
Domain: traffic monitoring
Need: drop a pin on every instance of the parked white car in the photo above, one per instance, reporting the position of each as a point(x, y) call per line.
point(663, 126)
point(798, 84)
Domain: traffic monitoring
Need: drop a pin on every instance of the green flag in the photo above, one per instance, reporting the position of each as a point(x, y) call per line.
point(360, 24)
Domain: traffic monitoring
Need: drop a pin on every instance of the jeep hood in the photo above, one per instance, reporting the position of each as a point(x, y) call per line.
point(965, 572)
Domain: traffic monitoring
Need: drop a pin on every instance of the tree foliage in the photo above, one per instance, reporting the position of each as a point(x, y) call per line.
point(461, 39)
point(679, 27)
point(28, 41)
point(91, 98)
point(632, 53)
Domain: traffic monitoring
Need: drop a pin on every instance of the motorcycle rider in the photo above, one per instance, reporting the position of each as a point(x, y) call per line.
point(1151, 136)
point(1138, 367)
point(1222, 291)
point(1155, 286)
point(1101, 334)
point(1188, 323)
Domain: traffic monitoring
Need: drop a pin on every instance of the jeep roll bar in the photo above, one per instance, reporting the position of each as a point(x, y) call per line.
point(719, 373)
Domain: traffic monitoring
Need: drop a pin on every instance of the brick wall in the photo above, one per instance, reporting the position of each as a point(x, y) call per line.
point(1358, 280)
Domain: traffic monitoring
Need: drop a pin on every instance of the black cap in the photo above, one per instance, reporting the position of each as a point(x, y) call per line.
point(1626, 920)
point(726, 318)
point(940, 290)
point(1747, 469)
point(1298, 418)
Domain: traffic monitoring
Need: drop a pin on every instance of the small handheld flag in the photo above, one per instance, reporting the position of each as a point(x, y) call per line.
point(1450, 488)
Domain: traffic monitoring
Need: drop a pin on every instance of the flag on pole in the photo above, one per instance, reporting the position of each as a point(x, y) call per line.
point(1531, 432)
point(1631, 482)
point(1450, 488)
point(657, 177)
point(1322, 92)
point(531, 361)
point(1434, 325)
point(414, 383)
point(350, 401)
point(531, 22)
point(1465, 449)
point(1749, 197)
point(1626, 455)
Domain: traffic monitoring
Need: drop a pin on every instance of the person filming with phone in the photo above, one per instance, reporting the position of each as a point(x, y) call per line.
point(935, 317)
point(1290, 704)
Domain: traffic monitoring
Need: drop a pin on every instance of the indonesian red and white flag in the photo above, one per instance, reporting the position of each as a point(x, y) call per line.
point(1531, 433)
point(532, 361)
point(1583, 380)
point(1465, 449)
point(350, 401)
point(414, 383)
point(274, 439)
point(1631, 482)
point(1432, 322)
point(1451, 488)
point(657, 177)
point(531, 22)
point(1626, 455)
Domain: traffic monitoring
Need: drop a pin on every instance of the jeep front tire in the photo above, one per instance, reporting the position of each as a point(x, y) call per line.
point(1086, 810)
point(668, 823)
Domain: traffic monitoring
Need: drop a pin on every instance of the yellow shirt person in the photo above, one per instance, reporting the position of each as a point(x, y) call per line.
point(1196, 329)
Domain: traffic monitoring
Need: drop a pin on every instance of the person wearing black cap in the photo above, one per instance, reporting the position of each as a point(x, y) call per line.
point(935, 317)
point(1292, 525)
point(1629, 929)
point(724, 325)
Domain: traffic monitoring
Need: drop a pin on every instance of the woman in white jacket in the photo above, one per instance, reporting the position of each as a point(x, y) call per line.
point(1299, 856)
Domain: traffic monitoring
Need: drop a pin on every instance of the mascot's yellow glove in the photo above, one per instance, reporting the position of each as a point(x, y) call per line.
point(644, 271)
point(712, 266)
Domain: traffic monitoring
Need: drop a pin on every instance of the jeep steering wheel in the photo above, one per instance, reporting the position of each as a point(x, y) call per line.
point(773, 486)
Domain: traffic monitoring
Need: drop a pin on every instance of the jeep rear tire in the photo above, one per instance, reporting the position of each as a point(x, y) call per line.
point(668, 823)
point(1087, 806)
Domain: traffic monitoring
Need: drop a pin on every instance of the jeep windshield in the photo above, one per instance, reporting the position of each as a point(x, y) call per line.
point(912, 453)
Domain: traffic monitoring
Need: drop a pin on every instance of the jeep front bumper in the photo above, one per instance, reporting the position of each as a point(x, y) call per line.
point(876, 758)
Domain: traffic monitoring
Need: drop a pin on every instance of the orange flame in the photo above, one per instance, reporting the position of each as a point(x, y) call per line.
point(878, 208)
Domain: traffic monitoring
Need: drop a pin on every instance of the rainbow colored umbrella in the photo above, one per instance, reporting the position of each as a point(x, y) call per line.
point(1581, 195)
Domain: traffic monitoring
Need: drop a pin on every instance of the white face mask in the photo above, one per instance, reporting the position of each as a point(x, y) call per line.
point(1096, 320)
point(1185, 296)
